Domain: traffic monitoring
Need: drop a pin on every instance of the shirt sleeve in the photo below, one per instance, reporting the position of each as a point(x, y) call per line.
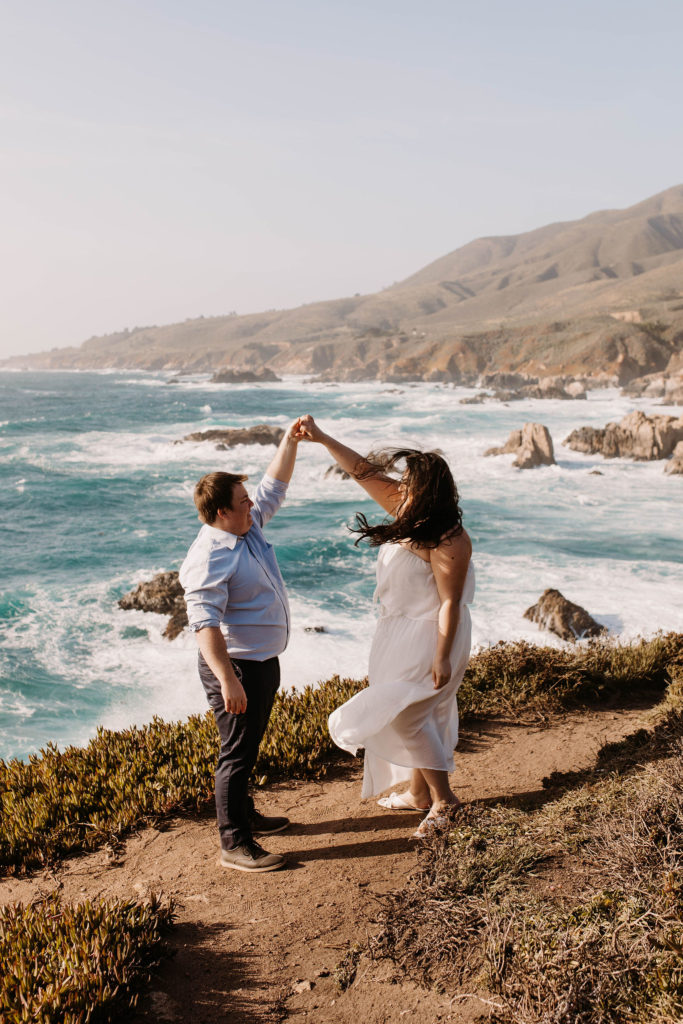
point(270, 494)
point(206, 591)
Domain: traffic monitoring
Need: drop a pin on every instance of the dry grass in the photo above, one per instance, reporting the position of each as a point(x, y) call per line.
point(520, 676)
point(567, 914)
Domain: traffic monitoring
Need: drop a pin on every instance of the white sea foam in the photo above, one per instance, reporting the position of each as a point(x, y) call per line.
point(610, 543)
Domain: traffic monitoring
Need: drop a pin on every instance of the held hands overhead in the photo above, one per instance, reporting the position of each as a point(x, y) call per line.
point(306, 429)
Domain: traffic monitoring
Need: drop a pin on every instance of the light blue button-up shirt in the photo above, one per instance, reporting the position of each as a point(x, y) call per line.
point(235, 583)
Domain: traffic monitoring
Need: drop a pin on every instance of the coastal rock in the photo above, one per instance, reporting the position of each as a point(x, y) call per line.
point(507, 396)
point(547, 391)
point(637, 436)
point(512, 444)
point(586, 439)
point(336, 470)
point(506, 381)
point(576, 389)
point(163, 595)
point(229, 437)
point(652, 385)
point(567, 620)
point(667, 386)
point(675, 465)
point(478, 399)
point(673, 390)
point(228, 376)
point(532, 445)
point(512, 387)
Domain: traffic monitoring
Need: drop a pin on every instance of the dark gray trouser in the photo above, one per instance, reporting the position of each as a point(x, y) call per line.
point(241, 737)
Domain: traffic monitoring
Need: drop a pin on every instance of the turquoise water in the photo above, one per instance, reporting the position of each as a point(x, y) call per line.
point(96, 496)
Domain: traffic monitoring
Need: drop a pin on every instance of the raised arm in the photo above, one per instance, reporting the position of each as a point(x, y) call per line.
point(282, 465)
point(379, 486)
point(449, 562)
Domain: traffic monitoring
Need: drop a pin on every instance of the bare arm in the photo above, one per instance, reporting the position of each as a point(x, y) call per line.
point(282, 465)
point(449, 562)
point(212, 645)
point(380, 487)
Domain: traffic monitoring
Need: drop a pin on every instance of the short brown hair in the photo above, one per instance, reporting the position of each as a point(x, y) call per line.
point(213, 492)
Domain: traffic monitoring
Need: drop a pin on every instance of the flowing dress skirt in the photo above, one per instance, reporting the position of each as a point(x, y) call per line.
point(400, 720)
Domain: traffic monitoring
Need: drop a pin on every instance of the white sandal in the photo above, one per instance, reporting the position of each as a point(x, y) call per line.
point(399, 802)
point(429, 825)
point(435, 822)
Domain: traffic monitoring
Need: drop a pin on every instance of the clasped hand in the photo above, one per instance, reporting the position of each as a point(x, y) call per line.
point(307, 429)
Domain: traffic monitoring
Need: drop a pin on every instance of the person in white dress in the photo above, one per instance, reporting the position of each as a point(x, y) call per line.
point(407, 718)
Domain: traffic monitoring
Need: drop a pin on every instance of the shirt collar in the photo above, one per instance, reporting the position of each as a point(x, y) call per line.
point(223, 537)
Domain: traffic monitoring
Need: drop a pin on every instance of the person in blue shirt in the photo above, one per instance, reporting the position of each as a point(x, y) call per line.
point(237, 606)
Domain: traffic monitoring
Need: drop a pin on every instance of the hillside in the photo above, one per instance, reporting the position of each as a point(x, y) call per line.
point(601, 295)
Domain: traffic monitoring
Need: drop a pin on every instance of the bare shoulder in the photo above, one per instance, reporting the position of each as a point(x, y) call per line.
point(456, 548)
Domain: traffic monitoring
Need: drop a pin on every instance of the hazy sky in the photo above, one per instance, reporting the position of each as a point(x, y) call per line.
point(162, 159)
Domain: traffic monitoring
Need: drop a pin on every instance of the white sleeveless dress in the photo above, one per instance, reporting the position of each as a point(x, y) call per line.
point(400, 719)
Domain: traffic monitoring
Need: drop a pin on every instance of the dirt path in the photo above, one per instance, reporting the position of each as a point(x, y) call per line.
point(245, 943)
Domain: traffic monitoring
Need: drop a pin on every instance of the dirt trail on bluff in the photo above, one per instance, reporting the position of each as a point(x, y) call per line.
point(264, 948)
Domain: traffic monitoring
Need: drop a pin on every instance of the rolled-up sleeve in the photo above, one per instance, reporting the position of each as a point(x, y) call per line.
point(270, 494)
point(206, 590)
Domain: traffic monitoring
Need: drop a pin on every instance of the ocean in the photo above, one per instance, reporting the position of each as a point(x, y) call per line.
point(96, 496)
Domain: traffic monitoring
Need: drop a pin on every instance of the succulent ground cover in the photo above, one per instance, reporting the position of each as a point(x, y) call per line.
point(60, 802)
point(568, 913)
point(77, 964)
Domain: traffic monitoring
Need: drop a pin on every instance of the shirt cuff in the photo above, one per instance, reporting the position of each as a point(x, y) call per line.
point(194, 627)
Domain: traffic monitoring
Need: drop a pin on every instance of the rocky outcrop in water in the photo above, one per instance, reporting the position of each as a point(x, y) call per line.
point(637, 436)
point(230, 436)
point(336, 470)
point(163, 595)
point(513, 387)
point(532, 445)
point(506, 381)
point(675, 465)
point(668, 387)
point(228, 376)
point(567, 620)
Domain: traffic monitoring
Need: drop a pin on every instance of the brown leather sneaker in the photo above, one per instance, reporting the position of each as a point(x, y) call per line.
point(262, 825)
point(251, 857)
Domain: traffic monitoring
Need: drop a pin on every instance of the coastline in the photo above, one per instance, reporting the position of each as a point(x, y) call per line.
point(71, 660)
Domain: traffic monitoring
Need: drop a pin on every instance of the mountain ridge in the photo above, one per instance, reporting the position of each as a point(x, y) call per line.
point(567, 297)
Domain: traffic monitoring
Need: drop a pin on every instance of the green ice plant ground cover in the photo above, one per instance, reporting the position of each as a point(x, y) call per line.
point(62, 964)
point(61, 802)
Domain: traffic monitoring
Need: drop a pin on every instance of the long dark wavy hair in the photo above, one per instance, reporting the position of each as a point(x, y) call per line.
point(430, 509)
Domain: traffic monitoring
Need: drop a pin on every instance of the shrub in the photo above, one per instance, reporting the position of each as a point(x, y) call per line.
point(59, 802)
point(62, 801)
